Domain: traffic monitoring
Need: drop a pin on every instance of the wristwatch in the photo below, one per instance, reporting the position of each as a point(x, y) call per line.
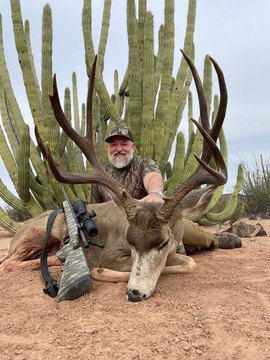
point(160, 193)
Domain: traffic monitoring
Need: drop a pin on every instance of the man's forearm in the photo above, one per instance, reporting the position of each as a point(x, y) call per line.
point(153, 182)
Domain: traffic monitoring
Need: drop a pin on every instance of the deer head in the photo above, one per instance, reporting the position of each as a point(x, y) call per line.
point(151, 225)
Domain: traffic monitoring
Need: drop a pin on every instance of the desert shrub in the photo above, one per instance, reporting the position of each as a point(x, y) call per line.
point(256, 187)
point(16, 215)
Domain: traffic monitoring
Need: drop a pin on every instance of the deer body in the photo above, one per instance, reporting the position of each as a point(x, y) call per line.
point(138, 237)
point(137, 251)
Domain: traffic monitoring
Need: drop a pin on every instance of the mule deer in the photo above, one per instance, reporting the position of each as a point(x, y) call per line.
point(140, 238)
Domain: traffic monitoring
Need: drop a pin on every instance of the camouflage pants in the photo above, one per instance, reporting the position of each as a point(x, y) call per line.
point(197, 238)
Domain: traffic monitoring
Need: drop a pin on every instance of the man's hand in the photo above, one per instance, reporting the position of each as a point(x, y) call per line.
point(152, 198)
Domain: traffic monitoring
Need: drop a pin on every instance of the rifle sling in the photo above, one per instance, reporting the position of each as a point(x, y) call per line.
point(51, 284)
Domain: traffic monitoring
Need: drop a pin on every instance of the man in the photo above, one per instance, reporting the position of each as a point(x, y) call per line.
point(143, 180)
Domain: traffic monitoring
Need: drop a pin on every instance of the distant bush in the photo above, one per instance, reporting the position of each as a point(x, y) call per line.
point(16, 215)
point(256, 187)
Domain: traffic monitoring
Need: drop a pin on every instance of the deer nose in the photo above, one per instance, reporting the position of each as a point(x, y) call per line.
point(134, 296)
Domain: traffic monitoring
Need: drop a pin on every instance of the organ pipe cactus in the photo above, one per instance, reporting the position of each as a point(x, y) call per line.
point(149, 100)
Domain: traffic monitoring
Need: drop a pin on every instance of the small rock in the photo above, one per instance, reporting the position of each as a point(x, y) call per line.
point(187, 348)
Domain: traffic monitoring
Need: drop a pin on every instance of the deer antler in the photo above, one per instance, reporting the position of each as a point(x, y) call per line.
point(204, 174)
point(85, 143)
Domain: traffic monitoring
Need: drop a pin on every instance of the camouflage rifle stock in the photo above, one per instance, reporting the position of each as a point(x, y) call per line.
point(76, 279)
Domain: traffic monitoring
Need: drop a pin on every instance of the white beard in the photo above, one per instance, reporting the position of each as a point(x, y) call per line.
point(120, 162)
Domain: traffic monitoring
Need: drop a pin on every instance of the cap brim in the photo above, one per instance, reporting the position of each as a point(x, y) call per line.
point(110, 137)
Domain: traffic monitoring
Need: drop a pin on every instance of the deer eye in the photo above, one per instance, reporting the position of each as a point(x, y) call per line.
point(163, 245)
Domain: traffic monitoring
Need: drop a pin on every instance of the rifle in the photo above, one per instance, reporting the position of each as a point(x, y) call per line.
point(76, 279)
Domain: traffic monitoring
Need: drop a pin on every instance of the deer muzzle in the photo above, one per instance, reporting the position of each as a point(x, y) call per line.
point(145, 271)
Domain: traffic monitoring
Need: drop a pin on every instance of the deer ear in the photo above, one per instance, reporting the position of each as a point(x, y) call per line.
point(196, 201)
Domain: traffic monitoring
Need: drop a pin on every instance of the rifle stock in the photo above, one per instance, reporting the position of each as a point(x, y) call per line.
point(76, 279)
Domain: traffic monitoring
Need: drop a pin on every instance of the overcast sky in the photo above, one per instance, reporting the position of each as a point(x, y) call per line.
point(234, 33)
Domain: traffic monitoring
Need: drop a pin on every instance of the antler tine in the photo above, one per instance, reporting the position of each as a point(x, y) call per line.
point(200, 92)
point(89, 105)
point(85, 143)
point(222, 102)
point(41, 145)
point(204, 174)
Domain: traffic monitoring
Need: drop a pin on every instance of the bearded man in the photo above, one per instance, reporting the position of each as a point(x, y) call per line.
point(142, 178)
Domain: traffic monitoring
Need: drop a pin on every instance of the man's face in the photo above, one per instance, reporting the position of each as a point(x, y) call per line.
point(120, 151)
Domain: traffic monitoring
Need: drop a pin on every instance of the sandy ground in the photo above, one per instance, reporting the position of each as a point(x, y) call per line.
point(219, 312)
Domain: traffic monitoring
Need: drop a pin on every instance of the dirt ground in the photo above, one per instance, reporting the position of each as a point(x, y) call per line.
point(219, 312)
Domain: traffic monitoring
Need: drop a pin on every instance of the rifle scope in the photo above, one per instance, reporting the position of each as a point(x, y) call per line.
point(85, 217)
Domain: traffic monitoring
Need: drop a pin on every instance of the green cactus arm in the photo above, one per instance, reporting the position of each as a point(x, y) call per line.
point(121, 95)
point(124, 83)
point(190, 114)
point(238, 212)
point(189, 146)
point(141, 30)
point(116, 83)
point(89, 58)
point(159, 62)
point(73, 167)
point(11, 199)
point(67, 111)
point(226, 213)
point(76, 116)
point(192, 163)
point(135, 80)
point(232, 203)
point(104, 34)
point(147, 129)
point(15, 116)
point(13, 109)
point(34, 208)
point(83, 120)
point(207, 82)
point(24, 166)
point(23, 175)
point(162, 116)
point(214, 200)
point(7, 122)
point(49, 124)
point(169, 142)
point(25, 63)
point(7, 223)
point(239, 181)
point(169, 170)
point(8, 159)
point(31, 58)
point(206, 222)
point(35, 186)
point(71, 156)
point(77, 125)
point(178, 164)
point(181, 87)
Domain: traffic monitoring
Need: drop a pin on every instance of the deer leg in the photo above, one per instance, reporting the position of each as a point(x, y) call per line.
point(176, 264)
point(103, 274)
point(12, 264)
point(179, 264)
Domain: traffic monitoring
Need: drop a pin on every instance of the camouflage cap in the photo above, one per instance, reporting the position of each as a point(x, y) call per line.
point(119, 131)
